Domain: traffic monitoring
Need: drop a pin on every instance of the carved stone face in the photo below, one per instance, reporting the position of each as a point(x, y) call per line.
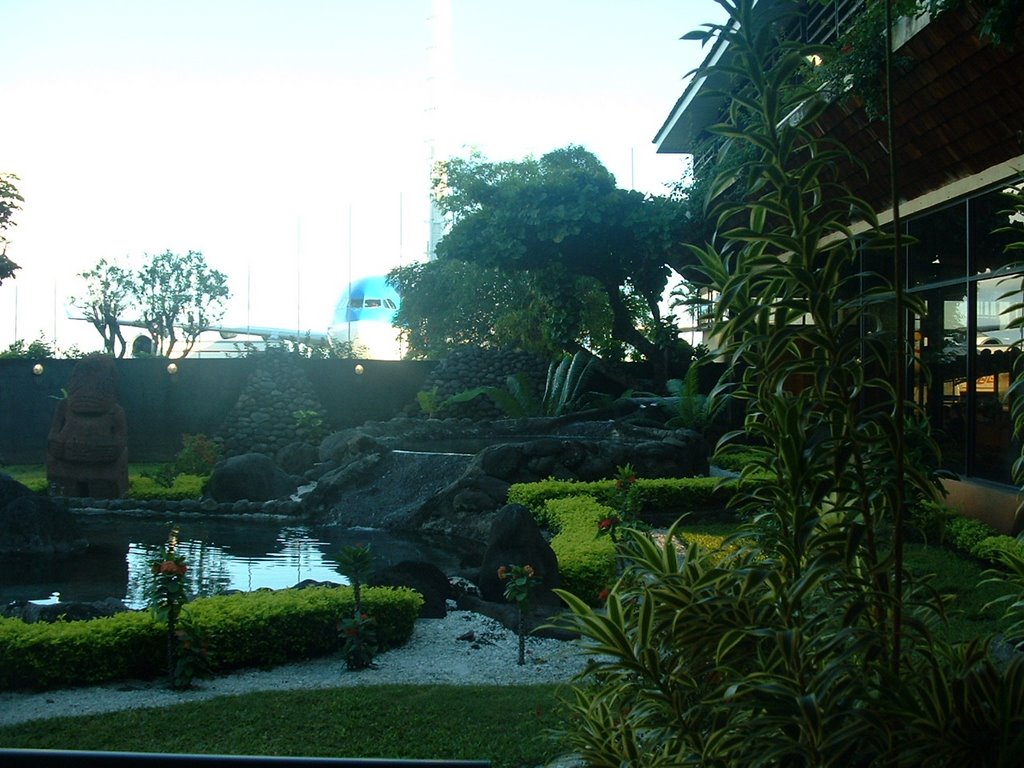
point(92, 388)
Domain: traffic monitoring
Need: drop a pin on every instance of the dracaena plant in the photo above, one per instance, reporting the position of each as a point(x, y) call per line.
point(806, 645)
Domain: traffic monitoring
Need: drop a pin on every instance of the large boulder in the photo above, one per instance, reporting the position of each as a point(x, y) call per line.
point(426, 578)
point(31, 613)
point(297, 458)
point(249, 477)
point(33, 524)
point(515, 539)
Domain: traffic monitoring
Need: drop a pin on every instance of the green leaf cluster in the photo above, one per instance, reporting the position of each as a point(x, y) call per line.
point(258, 629)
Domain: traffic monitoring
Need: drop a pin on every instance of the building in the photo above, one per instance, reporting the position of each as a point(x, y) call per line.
point(959, 130)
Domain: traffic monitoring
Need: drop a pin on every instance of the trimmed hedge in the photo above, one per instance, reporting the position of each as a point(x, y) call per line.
point(254, 629)
point(586, 562)
point(184, 488)
point(698, 496)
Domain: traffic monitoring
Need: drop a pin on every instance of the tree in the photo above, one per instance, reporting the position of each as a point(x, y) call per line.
point(561, 219)
point(177, 293)
point(448, 303)
point(9, 199)
point(108, 294)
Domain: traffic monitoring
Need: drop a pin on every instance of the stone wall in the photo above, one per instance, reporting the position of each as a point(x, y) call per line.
point(160, 407)
point(264, 418)
point(472, 367)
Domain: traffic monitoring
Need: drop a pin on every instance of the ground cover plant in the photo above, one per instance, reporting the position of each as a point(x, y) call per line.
point(508, 725)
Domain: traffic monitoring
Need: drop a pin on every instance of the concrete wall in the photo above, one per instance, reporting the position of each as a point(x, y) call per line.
point(161, 407)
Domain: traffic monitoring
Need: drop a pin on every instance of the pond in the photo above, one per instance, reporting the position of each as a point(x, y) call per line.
point(236, 554)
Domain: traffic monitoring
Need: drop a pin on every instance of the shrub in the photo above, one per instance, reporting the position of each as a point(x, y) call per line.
point(183, 487)
point(965, 533)
point(586, 563)
point(249, 629)
point(992, 548)
point(198, 455)
point(928, 519)
point(697, 496)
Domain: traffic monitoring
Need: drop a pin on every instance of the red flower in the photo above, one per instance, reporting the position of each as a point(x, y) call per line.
point(502, 572)
point(603, 594)
point(608, 523)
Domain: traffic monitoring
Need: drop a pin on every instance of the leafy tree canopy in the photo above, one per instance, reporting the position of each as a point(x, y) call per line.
point(9, 203)
point(108, 295)
point(568, 240)
point(176, 296)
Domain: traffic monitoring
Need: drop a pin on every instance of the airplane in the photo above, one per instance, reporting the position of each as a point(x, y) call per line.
point(364, 315)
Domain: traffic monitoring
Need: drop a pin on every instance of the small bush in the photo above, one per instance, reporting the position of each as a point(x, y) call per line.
point(991, 548)
point(928, 521)
point(198, 455)
point(965, 533)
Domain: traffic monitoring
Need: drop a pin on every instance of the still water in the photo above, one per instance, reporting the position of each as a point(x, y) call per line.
point(222, 555)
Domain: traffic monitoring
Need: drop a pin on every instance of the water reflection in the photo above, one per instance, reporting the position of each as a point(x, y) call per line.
point(222, 555)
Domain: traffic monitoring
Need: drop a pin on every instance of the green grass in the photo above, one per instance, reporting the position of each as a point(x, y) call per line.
point(140, 487)
point(506, 725)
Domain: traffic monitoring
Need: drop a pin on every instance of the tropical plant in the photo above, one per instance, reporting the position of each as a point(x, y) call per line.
point(692, 408)
point(358, 633)
point(807, 644)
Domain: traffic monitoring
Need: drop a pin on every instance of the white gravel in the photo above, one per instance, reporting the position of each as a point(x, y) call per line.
point(434, 654)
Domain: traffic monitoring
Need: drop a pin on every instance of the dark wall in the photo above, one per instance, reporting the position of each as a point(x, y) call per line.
point(161, 407)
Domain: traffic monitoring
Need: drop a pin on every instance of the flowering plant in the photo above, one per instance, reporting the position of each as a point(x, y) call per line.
point(167, 593)
point(519, 590)
point(358, 634)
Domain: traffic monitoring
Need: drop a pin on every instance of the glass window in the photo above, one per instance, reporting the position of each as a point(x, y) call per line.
point(994, 355)
point(940, 252)
point(941, 345)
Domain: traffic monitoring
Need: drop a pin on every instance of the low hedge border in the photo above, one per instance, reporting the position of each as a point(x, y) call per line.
point(940, 524)
point(253, 629)
point(587, 561)
point(701, 497)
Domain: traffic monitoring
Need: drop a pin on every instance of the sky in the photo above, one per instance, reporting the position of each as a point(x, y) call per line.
point(290, 142)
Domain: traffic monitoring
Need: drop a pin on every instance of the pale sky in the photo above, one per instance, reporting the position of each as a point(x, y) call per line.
point(290, 141)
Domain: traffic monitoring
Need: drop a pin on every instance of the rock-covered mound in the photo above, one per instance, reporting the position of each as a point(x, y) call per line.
point(263, 420)
point(367, 479)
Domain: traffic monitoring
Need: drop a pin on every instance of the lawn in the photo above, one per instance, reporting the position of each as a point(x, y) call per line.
point(507, 725)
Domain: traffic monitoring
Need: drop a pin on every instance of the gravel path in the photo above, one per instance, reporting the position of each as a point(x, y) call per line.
point(434, 654)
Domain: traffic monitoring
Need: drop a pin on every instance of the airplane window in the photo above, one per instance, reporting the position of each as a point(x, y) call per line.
point(389, 304)
point(371, 303)
point(355, 303)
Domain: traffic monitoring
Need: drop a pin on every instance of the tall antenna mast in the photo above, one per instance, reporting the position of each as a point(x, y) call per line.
point(439, 82)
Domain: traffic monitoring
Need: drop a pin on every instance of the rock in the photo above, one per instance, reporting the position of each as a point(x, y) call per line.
point(517, 540)
point(426, 578)
point(297, 458)
point(33, 524)
point(251, 477)
point(72, 611)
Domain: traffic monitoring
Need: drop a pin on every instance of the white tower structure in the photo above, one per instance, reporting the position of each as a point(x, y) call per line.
point(439, 91)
